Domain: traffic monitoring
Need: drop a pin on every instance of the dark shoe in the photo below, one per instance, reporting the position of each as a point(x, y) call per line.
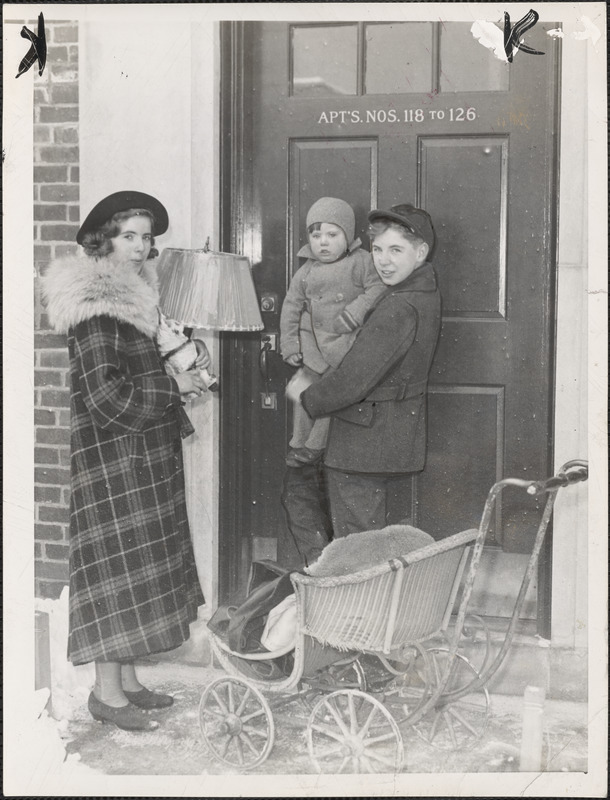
point(128, 718)
point(292, 461)
point(147, 700)
point(308, 456)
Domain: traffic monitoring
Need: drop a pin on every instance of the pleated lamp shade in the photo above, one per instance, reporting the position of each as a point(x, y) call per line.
point(208, 290)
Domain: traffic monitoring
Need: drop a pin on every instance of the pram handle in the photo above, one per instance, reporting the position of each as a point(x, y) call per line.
point(571, 472)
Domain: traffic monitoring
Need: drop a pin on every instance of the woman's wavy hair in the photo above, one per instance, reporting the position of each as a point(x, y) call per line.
point(98, 244)
point(380, 226)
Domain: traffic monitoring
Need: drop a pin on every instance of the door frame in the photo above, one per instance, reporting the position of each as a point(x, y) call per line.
point(236, 350)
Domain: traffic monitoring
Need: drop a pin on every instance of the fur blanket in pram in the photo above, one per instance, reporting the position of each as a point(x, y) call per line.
point(359, 551)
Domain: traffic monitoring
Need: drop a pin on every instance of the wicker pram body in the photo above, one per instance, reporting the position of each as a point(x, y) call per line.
point(395, 612)
point(379, 610)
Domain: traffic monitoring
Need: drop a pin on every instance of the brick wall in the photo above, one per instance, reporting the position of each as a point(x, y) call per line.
point(56, 221)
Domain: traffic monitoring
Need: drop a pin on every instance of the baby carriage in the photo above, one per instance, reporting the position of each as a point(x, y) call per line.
point(375, 651)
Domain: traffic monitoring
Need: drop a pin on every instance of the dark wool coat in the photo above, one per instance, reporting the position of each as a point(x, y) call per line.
point(377, 396)
point(133, 583)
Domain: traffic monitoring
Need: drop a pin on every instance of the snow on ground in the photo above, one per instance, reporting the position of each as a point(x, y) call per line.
point(71, 740)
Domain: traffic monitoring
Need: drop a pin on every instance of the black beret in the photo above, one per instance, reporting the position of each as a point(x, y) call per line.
point(122, 201)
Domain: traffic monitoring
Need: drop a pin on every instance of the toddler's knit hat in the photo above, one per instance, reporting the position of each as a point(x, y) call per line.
point(335, 211)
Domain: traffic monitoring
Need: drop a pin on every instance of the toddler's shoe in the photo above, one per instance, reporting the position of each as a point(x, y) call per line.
point(291, 459)
point(308, 456)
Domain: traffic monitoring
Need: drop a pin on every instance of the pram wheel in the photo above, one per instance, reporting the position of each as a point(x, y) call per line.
point(236, 723)
point(351, 732)
point(456, 722)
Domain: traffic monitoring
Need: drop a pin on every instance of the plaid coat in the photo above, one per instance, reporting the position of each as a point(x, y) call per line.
point(133, 583)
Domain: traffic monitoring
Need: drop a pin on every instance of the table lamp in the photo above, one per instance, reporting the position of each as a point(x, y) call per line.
point(208, 290)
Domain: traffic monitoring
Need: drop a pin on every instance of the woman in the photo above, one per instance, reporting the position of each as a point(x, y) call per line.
point(377, 395)
point(133, 583)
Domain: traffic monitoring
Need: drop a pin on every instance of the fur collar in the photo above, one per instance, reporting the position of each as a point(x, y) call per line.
point(78, 288)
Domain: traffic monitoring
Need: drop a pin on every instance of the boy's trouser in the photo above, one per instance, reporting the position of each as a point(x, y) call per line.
point(363, 502)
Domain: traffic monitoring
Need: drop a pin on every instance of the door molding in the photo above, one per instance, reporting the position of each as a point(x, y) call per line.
point(235, 180)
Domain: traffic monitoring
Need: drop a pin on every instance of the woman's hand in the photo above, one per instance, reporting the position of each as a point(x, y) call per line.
point(191, 382)
point(203, 356)
point(295, 360)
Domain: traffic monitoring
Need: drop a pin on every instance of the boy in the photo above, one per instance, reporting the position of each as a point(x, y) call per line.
point(377, 395)
point(324, 307)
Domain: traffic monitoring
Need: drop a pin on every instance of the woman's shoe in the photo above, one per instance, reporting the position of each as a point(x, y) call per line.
point(128, 718)
point(148, 700)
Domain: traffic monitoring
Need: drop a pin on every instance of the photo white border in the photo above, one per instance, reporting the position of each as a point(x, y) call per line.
point(24, 767)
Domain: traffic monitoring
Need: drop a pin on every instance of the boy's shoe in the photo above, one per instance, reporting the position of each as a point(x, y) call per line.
point(308, 456)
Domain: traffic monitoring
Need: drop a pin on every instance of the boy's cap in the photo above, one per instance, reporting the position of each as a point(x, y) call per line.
point(122, 201)
point(414, 219)
point(335, 211)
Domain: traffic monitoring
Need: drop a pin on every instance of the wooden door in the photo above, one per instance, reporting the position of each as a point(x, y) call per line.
point(378, 114)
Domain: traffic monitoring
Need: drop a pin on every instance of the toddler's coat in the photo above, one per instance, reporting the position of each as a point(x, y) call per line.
point(318, 295)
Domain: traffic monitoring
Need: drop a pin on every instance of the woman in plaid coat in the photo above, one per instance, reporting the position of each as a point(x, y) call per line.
point(133, 583)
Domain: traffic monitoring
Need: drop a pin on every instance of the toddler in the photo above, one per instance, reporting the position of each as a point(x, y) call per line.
point(325, 305)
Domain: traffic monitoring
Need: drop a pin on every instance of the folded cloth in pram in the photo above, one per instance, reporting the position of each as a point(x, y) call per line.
point(281, 627)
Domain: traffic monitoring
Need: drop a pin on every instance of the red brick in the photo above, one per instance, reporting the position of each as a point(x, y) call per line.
point(41, 95)
point(66, 93)
point(50, 212)
point(47, 494)
point(42, 133)
point(58, 114)
point(37, 550)
point(58, 233)
point(64, 456)
point(65, 134)
point(42, 253)
point(52, 475)
point(62, 250)
point(65, 496)
point(53, 436)
point(65, 33)
point(55, 174)
point(73, 54)
point(74, 174)
point(54, 358)
point(60, 193)
point(60, 154)
point(44, 417)
point(54, 514)
point(55, 398)
point(52, 532)
point(65, 73)
point(50, 341)
point(49, 589)
point(57, 55)
point(64, 417)
point(74, 213)
point(45, 377)
point(43, 323)
point(46, 455)
point(51, 570)
point(57, 552)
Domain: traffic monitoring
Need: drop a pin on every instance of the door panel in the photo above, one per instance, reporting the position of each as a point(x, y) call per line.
point(472, 141)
